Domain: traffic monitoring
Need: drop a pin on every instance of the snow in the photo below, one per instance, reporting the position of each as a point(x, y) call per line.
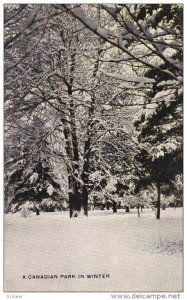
point(110, 187)
point(113, 11)
point(180, 91)
point(95, 175)
point(168, 82)
point(139, 254)
point(50, 190)
point(33, 178)
point(137, 79)
point(123, 57)
point(106, 106)
point(166, 95)
point(131, 27)
point(168, 146)
point(174, 62)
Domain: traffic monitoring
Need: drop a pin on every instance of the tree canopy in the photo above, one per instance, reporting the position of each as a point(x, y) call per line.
point(94, 89)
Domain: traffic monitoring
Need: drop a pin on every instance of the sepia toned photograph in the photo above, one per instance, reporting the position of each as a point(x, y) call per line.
point(93, 147)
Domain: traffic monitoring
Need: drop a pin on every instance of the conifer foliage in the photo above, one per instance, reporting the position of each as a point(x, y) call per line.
point(160, 125)
point(29, 173)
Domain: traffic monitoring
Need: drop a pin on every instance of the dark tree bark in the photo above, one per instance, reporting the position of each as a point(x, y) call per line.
point(158, 201)
point(74, 197)
point(85, 200)
point(127, 209)
point(85, 177)
point(89, 134)
point(114, 206)
point(74, 191)
point(36, 209)
point(107, 206)
point(71, 145)
point(138, 210)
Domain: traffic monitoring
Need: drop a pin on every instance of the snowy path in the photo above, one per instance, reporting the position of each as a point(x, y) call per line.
point(139, 254)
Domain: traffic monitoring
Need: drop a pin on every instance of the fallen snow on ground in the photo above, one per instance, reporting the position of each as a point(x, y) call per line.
point(134, 254)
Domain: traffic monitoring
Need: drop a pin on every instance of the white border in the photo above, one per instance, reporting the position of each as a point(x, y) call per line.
point(77, 296)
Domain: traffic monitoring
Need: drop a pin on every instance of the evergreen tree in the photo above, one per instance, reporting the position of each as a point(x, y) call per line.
point(160, 125)
point(29, 173)
point(160, 140)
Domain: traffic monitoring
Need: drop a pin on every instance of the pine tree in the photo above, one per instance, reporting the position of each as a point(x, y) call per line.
point(159, 130)
point(160, 127)
point(29, 173)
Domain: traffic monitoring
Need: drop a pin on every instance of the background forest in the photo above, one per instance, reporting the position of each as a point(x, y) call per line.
point(93, 100)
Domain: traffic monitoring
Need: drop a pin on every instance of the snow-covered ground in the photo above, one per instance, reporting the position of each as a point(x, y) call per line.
point(133, 254)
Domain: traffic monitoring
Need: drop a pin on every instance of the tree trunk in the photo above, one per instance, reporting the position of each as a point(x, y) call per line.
point(36, 209)
point(74, 205)
point(158, 201)
point(114, 207)
point(74, 188)
point(107, 206)
point(138, 210)
point(85, 172)
point(127, 209)
point(74, 198)
point(85, 200)
point(71, 146)
point(85, 180)
point(89, 134)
